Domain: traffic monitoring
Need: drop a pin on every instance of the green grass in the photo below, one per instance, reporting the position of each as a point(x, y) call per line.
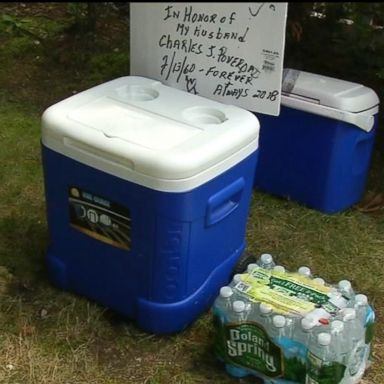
point(50, 336)
point(55, 337)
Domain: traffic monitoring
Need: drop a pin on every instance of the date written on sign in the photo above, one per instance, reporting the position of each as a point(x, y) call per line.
point(267, 95)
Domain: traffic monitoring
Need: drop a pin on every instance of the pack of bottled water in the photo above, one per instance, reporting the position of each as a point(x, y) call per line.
point(291, 327)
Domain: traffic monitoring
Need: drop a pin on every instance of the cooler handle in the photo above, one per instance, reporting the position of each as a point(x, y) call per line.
point(224, 202)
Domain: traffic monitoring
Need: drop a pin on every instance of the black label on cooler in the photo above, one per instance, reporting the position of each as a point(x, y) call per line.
point(99, 218)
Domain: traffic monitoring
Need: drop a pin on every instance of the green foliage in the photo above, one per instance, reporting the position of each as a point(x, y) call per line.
point(17, 27)
point(344, 40)
point(110, 65)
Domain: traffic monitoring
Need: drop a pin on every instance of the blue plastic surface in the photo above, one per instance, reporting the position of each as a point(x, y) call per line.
point(314, 160)
point(182, 246)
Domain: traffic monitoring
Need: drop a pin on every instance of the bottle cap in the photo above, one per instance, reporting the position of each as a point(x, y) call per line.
point(238, 306)
point(324, 338)
point(226, 291)
point(307, 323)
point(361, 299)
point(349, 314)
point(337, 326)
point(251, 267)
point(312, 318)
point(319, 280)
point(265, 308)
point(305, 271)
point(278, 321)
point(279, 268)
point(345, 285)
point(236, 278)
point(266, 258)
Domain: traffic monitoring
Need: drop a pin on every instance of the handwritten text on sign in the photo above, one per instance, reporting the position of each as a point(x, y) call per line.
point(229, 52)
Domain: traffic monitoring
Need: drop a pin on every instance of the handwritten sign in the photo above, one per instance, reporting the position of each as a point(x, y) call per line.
point(229, 52)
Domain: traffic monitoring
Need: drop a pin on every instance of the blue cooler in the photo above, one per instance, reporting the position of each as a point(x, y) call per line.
point(148, 191)
point(318, 150)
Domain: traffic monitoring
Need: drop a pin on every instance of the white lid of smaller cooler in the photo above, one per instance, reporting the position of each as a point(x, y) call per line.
point(327, 96)
point(143, 131)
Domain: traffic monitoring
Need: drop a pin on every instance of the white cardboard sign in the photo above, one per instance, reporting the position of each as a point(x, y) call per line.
point(229, 52)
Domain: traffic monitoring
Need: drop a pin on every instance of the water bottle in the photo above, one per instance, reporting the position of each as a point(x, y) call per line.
point(235, 279)
point(362, 317)
point(265, 316)
point(304, 271)
point(223, 302)
point(278, 331)
point(298, 348)
point(345, 287)
point(278, 327)
point(238, 313)
point(357, 359)
point(304, 331)
point(266, 261)
point(340, 346)
point(339, 341)
point(361, 307)
point(353, 329)
point(320, 356)
point(369, 332)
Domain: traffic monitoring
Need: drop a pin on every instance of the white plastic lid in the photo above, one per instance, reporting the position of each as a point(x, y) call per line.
point(345, 285)
point(312, 318)
point(324, 338)
point(279, 268)
point(278, 321)
point(226, 292)
point(265, 308)
point(157, 136)
point(319, 280)
point(305, 271)
point(337, 326)
point(251, 267)
point(332, 98)
point(266, 258)
point(328, 91)
point(236, 278)
point(361, 299)
point(238, 306)
point(307, 323)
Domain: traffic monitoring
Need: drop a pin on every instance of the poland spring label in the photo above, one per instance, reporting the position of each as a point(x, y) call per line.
point(248, 345)
point(99, 218)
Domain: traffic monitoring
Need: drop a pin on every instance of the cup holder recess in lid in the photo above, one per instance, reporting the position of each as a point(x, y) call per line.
point(137, 93)
point(204, 115)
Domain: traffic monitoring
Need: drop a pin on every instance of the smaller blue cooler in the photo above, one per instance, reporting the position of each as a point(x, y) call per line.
point(317, 151)
point(148, 191)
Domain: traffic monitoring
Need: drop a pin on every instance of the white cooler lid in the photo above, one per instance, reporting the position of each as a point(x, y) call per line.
point(327, 96)
point(151, 134)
